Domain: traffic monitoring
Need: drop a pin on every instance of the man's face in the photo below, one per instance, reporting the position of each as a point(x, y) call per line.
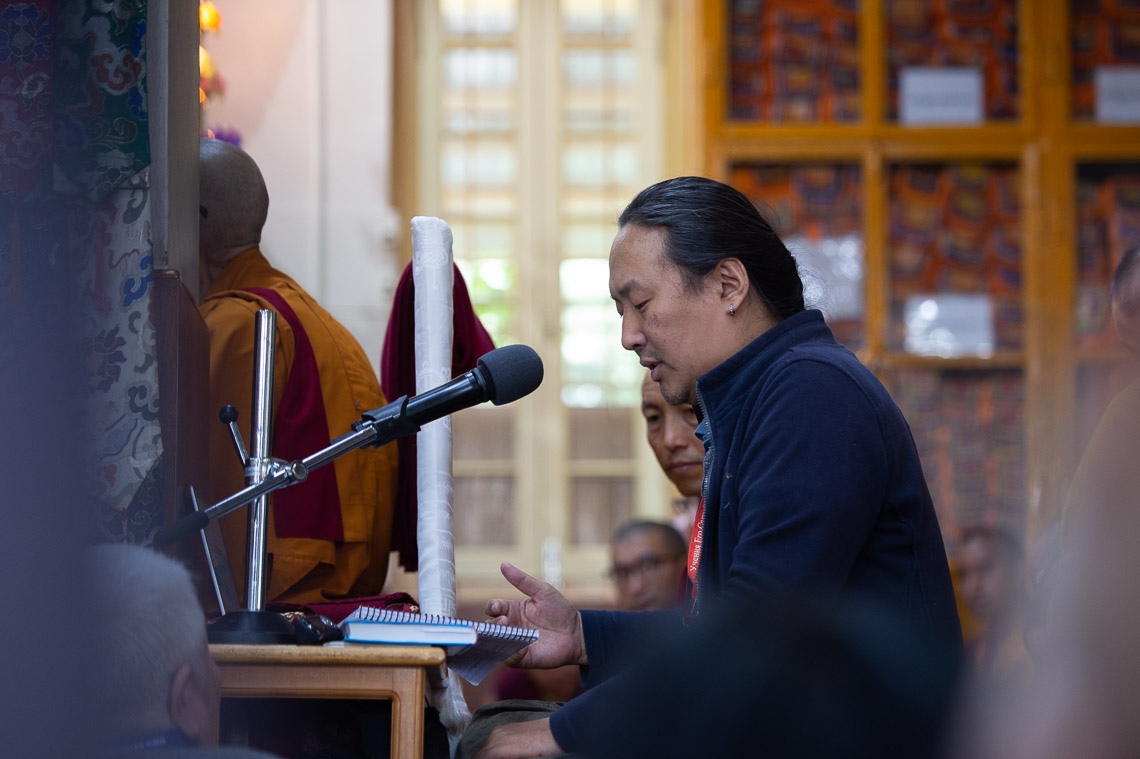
point(646, 575)
point(665, 324)
point(988, 580)
point(670, 430)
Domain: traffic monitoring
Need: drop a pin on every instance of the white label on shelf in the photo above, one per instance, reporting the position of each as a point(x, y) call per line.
point(933, 95)
point(949, 325)
point(832, 271)
point(1118, 94)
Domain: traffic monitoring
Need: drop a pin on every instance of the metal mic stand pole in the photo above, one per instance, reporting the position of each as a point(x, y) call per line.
point(254, 624)
point(261, 433)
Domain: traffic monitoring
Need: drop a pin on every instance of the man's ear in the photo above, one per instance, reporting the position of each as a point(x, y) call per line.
point(182, 697)
point(733, 281)
point(189, 707)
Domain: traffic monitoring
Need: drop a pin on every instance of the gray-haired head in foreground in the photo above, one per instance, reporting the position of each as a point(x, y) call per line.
point(148, 622)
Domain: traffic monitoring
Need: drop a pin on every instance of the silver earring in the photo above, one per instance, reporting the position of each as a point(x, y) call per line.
point(731, 310)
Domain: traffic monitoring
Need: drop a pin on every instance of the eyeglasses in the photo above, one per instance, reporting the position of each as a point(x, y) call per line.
point(623, 573)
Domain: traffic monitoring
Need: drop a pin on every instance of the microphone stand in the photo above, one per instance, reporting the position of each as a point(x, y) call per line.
point(253, 624)
point(265, 474)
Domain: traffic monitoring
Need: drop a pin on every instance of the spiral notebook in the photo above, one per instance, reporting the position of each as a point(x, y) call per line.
point(471, 660)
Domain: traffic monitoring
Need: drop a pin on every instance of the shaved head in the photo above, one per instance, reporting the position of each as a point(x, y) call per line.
point(233, 204)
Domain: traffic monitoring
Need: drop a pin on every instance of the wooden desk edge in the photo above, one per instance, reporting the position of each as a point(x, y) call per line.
point(374, 655)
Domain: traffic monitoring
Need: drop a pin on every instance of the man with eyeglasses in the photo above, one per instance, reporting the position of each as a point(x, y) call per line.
point(648, 566)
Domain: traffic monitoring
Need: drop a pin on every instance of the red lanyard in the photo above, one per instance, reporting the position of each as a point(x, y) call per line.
point(696, 537)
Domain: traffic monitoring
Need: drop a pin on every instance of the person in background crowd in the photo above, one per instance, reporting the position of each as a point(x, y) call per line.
point(990, 564)
point(648, 566)
point(671, 431)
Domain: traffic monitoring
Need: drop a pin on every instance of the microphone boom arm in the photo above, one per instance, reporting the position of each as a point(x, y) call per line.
point(377, 427)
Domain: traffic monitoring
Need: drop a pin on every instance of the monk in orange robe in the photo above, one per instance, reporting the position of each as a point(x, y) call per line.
point(328, 536)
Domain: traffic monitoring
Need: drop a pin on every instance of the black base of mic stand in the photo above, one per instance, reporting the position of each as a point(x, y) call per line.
point(251, 627)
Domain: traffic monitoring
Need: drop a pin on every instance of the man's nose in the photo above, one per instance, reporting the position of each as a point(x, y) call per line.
point(631, 336)
point(677, 433)
point(635, 585)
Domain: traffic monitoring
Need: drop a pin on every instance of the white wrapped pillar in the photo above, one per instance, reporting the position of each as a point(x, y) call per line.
point(433, 277)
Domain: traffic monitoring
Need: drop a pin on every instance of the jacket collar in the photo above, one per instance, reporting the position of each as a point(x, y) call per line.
point(728, 383)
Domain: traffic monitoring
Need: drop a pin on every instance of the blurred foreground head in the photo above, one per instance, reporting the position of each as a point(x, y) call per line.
point(1084, 699)
point(153, 672)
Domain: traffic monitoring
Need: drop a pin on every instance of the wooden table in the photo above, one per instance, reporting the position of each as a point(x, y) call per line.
point(399, 674)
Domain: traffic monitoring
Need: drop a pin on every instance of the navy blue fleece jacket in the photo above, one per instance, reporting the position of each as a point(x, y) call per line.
point(813, 491)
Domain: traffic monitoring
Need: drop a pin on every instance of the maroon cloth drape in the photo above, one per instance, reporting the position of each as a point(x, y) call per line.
point(309, 509)
point(470, 341)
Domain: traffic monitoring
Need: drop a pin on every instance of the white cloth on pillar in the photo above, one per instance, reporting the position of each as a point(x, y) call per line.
point(432, 274)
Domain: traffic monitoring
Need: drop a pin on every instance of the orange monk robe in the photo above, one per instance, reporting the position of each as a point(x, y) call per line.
point(300, 569)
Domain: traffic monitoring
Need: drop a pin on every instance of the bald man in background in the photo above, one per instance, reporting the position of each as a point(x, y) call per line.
point(328, 536)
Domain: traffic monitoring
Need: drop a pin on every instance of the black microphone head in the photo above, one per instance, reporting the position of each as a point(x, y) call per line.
point(510, 372)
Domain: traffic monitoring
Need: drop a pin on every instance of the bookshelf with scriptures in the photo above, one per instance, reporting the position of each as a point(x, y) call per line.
point(958, 179)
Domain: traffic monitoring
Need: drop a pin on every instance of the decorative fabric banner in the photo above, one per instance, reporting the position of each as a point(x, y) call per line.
point(122, 359)
point(27, 45)
point(74, 218)
point(101, 137)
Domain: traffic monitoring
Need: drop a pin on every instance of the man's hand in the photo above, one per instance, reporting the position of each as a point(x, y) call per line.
point(560, 639)
point(521, 740)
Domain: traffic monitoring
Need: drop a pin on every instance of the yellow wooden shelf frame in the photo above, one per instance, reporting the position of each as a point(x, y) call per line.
point(1046, 144)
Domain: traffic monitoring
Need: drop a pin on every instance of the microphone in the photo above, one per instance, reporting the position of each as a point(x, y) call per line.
point(501, 376)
